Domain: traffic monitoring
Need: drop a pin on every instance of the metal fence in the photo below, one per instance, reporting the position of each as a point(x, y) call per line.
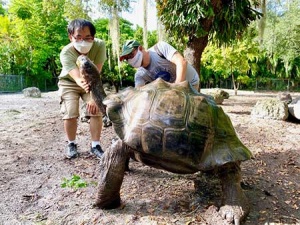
point(11, 83)
point(262, 85)
point(16, 83)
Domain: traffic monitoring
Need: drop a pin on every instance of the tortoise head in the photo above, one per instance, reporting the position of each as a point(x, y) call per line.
point(89, 71)
point(87, 68)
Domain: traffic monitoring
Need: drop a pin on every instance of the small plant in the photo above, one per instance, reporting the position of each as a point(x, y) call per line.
point(74, 182)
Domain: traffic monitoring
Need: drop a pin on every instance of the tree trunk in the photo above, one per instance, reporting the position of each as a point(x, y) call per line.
point(145, 28)
point(114, 30)
point(234, 85)
point(193, 52)
point(196, 45)
point(262, 22)
point(161, 33)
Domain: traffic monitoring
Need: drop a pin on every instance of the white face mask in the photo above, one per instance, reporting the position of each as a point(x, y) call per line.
point(136, 61)
point(83, 46)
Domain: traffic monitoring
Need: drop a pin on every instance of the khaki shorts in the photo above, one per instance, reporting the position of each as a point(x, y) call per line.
point(70, 94)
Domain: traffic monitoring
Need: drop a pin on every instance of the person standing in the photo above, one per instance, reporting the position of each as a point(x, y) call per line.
point(160, 61)
point(73, 87)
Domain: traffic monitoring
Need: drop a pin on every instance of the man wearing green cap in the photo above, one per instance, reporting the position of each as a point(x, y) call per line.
point(160, 61)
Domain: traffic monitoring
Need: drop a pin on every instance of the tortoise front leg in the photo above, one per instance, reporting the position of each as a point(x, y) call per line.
point(112, 167)
point(235, 204)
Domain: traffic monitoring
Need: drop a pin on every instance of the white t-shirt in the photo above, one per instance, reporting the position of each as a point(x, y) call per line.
point(163, 68)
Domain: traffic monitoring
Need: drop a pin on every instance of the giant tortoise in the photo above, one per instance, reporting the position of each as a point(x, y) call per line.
point(174, 128)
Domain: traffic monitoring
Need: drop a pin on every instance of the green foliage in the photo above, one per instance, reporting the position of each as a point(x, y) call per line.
point(127, 74)
point(183, 17)
point(126, 30)
point(232, 20)
point(232, 60)
point(2, 11)
point(223, 20)
point(123, 5)
point(75, 9)
point(34, 32)
point(74, 182)
point(110, 71)
point(282, 40)
point(151, 37)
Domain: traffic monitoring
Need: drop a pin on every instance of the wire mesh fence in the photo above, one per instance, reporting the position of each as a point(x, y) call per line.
point(260, 85)
point(11, 83)
point(16, 83)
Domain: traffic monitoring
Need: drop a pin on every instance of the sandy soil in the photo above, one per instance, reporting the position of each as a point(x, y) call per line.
point(33, 168)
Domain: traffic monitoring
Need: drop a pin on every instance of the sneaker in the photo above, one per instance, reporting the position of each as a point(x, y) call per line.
point(97, 151)
point(71, 151)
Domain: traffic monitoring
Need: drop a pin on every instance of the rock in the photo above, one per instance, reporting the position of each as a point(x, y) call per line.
point(218, 95)
point(32, 92)
point(284, 97)
point(294, 108)
point(270, 109)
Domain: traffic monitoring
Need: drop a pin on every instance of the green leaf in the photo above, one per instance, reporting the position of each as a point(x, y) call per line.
point(74, 182)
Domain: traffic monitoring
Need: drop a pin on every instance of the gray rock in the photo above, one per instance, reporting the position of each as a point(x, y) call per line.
point(270, 109)
point(294, 108)
point(32, 92)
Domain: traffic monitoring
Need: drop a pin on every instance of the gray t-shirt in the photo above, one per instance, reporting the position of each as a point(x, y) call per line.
point(163, 68)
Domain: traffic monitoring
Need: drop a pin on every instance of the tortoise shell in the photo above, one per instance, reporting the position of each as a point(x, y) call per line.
point(173, 127)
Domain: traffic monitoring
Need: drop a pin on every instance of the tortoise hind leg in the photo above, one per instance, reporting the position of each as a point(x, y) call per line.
point(127, 164)
point(112, 168)
point(130, 156)
point(235, 204)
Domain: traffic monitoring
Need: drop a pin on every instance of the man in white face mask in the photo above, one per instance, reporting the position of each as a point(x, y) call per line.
point(72, 86)
point(160, 61)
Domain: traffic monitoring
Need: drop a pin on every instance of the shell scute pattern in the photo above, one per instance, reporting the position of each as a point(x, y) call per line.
point(173, 124)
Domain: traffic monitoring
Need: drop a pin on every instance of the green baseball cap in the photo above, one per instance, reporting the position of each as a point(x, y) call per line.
point(128, 48)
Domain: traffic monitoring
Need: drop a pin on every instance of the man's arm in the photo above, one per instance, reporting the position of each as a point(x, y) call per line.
point(80, 81)
point(175, 57)
point(99, 66)
point(181, 65)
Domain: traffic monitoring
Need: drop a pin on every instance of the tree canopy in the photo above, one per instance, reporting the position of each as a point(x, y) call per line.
point(33, 33)
point(201, 21)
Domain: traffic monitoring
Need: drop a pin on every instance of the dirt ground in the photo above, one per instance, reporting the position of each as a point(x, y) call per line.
point(34, 167)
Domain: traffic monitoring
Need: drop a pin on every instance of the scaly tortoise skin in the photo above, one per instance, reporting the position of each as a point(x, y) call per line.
point(173, 127)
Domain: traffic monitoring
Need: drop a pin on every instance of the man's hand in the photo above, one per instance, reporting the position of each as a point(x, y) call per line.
point(83, 84)
point(92, 108)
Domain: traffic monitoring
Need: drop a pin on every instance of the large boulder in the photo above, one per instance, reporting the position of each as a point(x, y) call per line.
point(270, 109)
point(32, 92)
point(294, 108)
